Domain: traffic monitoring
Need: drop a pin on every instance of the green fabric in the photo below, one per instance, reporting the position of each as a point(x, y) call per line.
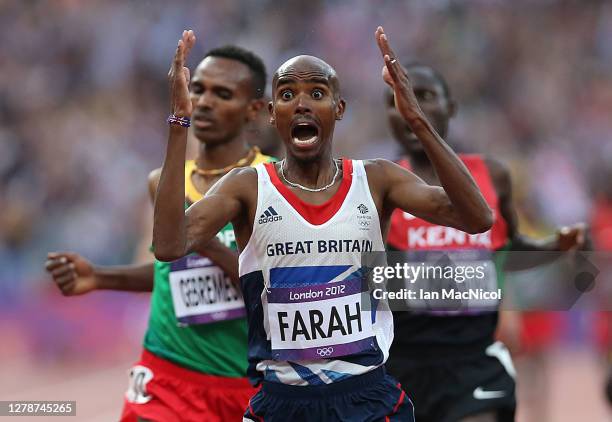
point(218, 348)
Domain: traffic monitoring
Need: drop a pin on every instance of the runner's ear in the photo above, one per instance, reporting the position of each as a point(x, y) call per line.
point(340, 108)
point(254, 108)
point(271, 111)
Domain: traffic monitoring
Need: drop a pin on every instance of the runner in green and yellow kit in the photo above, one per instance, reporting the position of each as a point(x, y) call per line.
point(194, 362)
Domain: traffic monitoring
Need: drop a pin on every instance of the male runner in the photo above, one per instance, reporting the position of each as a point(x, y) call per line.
point(451, 362)
point(195, 349)
point(316, 347)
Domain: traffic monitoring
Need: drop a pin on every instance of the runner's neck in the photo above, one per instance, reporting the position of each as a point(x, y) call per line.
point(311, 174)
point(219, 156)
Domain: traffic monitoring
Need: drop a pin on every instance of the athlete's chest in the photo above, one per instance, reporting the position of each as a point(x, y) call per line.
point(315, 198)
point(281, 230)
point(286, 225)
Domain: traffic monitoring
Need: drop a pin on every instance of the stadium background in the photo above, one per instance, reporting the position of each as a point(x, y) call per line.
point(83, 99)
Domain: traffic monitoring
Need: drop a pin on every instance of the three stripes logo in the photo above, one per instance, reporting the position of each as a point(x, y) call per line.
point(269, 216)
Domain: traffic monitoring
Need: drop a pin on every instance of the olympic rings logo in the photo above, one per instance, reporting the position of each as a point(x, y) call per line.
point(325, 351)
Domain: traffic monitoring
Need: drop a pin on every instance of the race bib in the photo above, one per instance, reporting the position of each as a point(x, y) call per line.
point(320, 321)
point(202, 293)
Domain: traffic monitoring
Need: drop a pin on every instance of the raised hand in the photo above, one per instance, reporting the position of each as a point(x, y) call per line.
point(72, 274)
point(394, 74)
point(179, 76)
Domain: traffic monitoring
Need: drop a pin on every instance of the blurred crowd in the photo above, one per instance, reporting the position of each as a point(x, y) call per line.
point(83, 101)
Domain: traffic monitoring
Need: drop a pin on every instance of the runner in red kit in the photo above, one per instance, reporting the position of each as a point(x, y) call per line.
point(455, 369)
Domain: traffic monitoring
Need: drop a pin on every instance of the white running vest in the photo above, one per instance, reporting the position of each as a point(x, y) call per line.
point(309, 323)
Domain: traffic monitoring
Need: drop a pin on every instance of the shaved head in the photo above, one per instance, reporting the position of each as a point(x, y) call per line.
point(307, 68)
point(305, 105)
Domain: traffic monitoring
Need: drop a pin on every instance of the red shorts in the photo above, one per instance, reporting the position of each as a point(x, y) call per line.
point(161, 391)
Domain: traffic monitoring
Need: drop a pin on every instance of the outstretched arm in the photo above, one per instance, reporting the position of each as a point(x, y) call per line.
point(74, 275)
point(408, 192)
point(459, 202)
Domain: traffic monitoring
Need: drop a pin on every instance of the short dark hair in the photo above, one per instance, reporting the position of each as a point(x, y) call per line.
point(437, 75)
point(248, 58)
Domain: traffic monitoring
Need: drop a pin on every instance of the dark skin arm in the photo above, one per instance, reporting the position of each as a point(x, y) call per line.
point(458, 202)
point(403, 189)
point(221, 255)
point(230, 199)
point(74, 275)
point(176, 232)
point(170, 225)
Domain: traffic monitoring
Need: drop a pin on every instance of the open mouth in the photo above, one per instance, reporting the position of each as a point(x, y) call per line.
point(304, 134)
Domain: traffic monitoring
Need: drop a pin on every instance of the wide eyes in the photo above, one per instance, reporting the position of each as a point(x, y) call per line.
point(316, 94)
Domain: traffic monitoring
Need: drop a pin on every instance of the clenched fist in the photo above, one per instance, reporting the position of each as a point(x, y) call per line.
point(73, 274)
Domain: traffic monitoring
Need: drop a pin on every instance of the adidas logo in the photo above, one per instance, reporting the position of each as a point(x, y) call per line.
point(269, 215)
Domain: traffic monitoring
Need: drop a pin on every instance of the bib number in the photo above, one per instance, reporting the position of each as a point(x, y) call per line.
point(202, 293)
point(319, 321)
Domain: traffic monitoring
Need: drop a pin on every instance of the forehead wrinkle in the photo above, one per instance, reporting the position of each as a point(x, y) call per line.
point(305, 68)
point(303, 73)
point(290, 77)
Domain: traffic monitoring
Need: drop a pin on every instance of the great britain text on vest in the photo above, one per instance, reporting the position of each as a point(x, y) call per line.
point(320, 246)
